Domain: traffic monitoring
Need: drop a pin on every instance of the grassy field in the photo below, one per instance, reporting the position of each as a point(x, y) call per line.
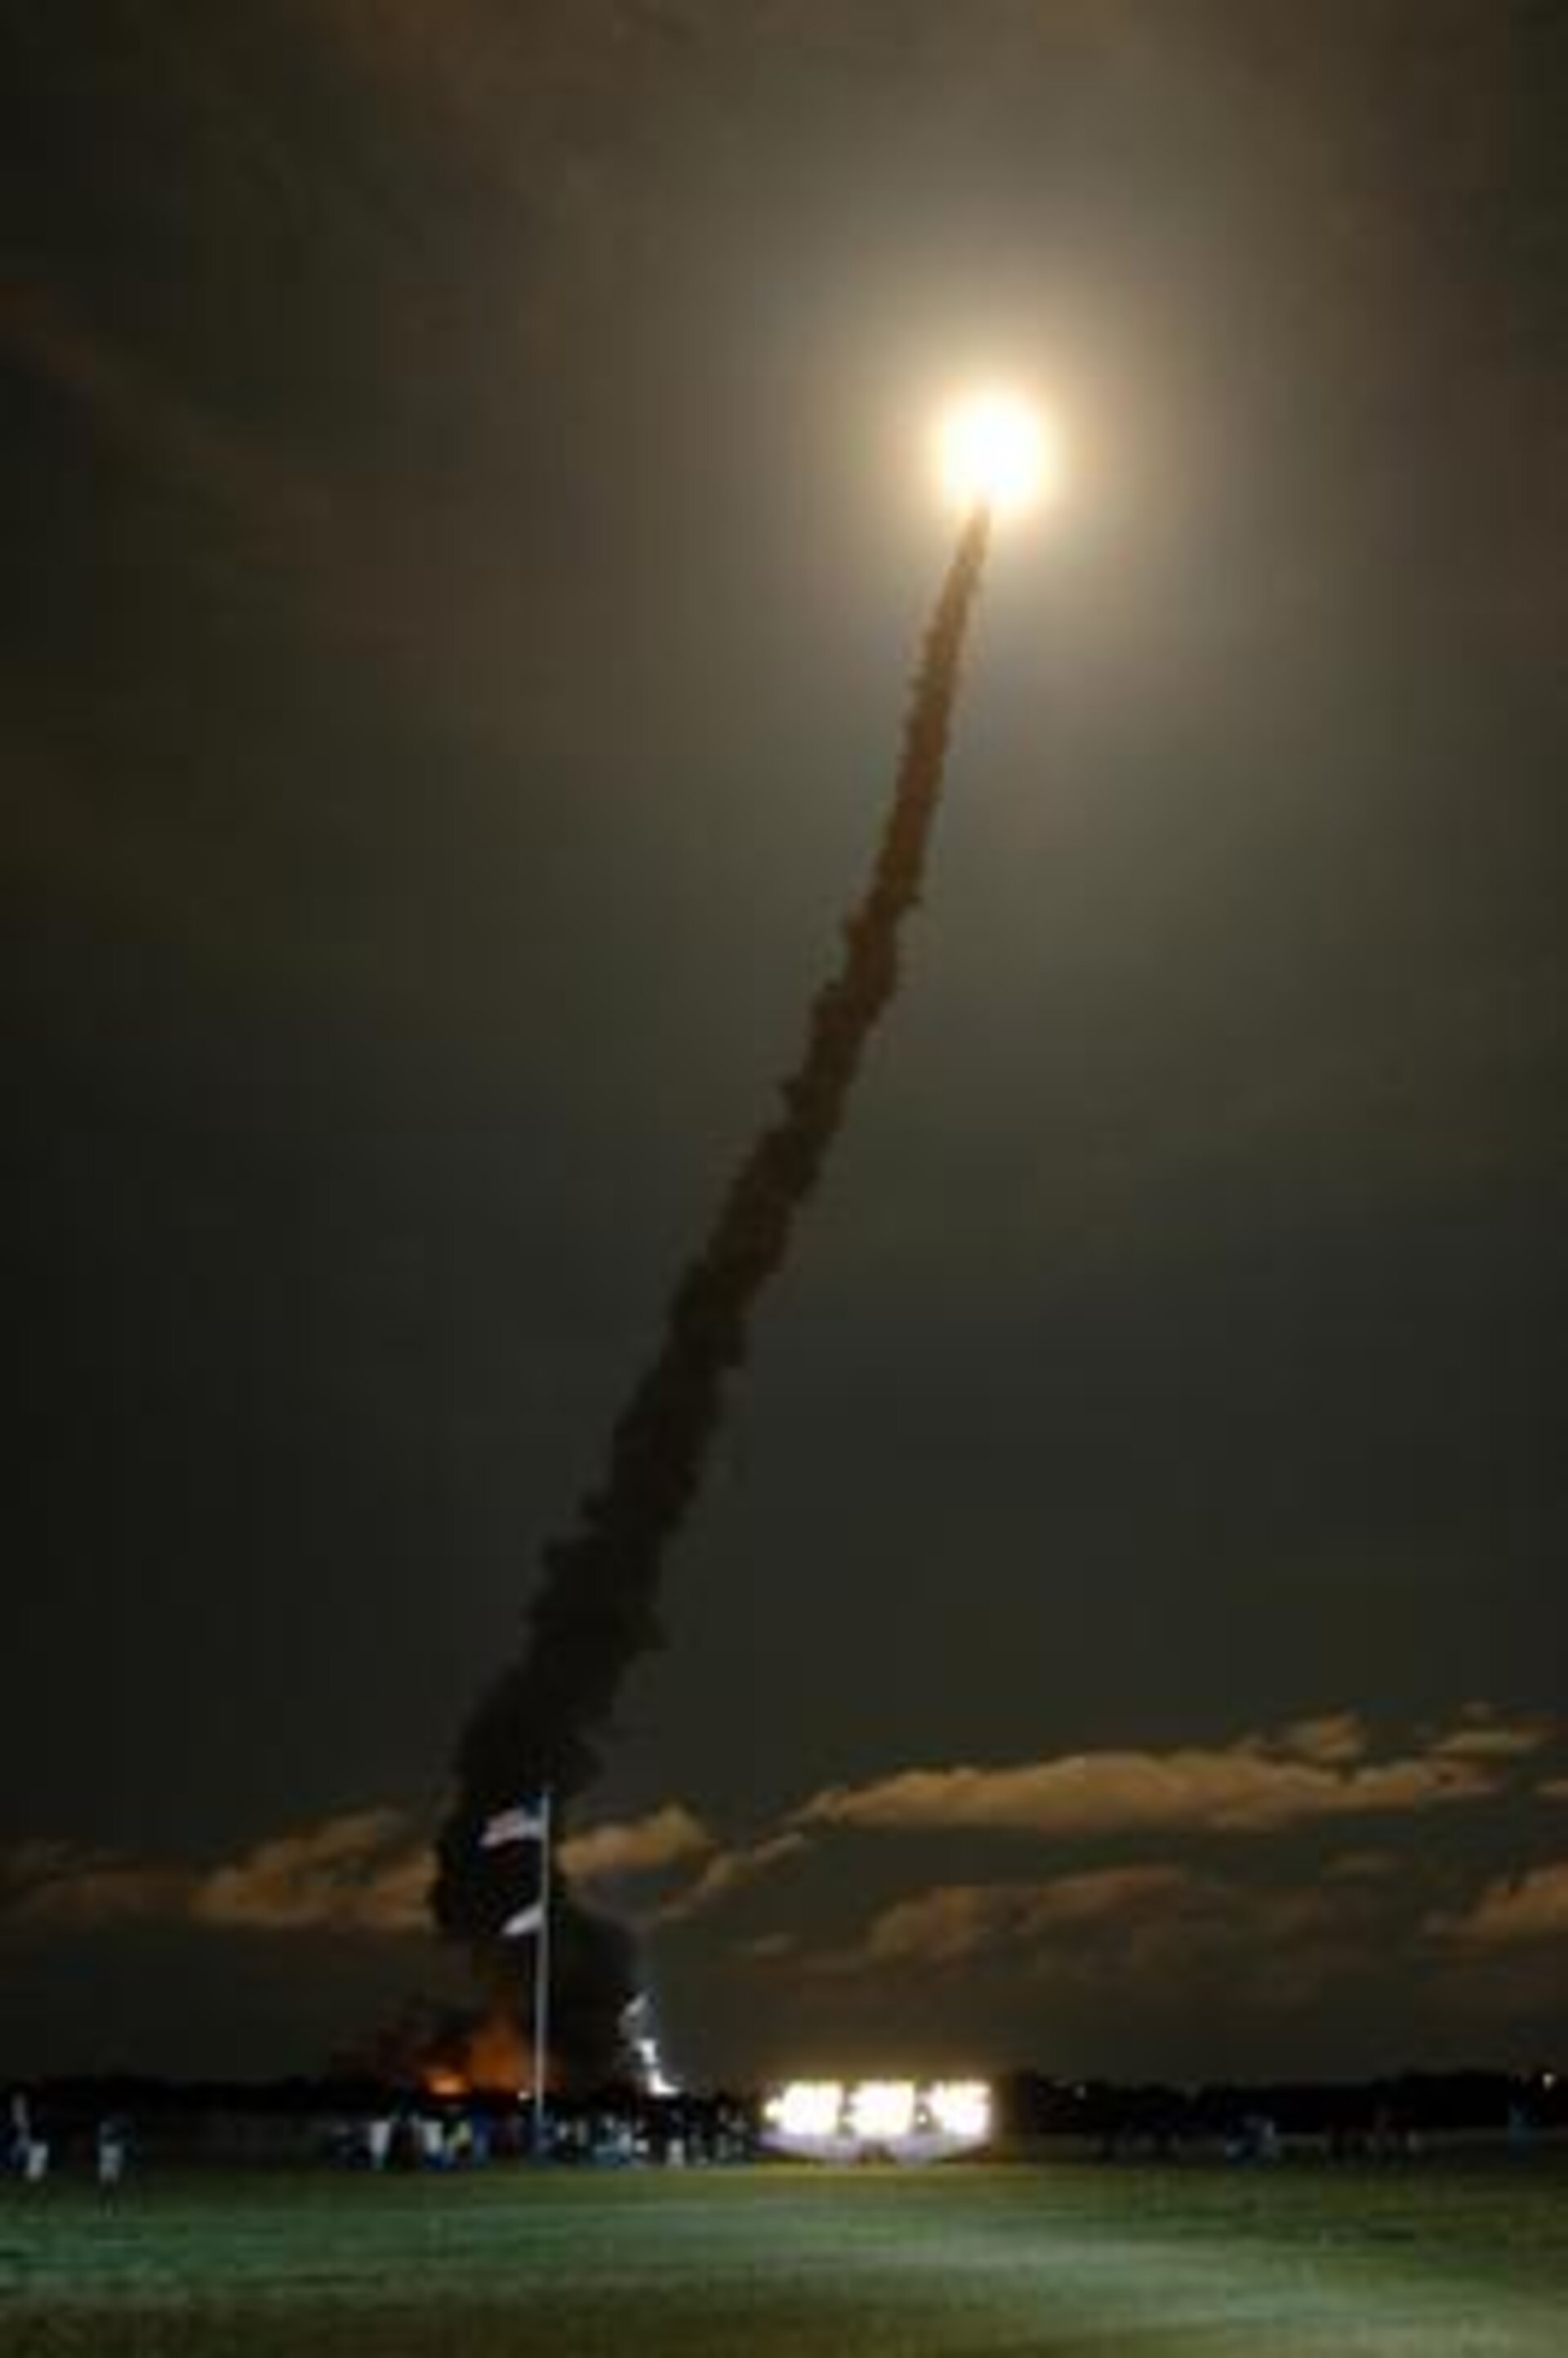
point(1058, 2262)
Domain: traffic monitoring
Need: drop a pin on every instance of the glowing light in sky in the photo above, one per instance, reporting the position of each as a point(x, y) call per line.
point(994, 450)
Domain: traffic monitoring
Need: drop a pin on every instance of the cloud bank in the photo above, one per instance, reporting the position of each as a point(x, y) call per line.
point(360, 1872)
point(1313, 1769)
point(366, 1873)
point(1513, 1912)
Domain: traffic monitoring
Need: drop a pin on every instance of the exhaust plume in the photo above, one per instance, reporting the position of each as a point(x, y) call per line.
point(594, 1614)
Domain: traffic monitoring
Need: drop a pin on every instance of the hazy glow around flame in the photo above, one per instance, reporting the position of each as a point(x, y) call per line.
point(994, 450)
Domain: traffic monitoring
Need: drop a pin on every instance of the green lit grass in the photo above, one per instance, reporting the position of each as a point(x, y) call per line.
point(1057, 2262)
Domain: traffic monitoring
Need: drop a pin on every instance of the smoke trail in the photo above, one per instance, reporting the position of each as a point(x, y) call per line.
point(594, 1614)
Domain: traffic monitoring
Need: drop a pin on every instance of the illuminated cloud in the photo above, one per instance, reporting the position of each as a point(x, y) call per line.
point(367, 1873)
point(1335, 1738)
point(954, 1921)
point(364, 1871)
point(1313, 1770)
point(1485, 1739)
point(1153, 1928)
point(730, 1871)
point(1515, 1911)
point(361, 1872)
point(639, 1846)
point(54, 1885)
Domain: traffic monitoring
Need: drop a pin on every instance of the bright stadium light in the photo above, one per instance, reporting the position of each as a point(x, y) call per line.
point(807, 2109)
point(896, 2120)
point(881, 2110)
point(961, 2107)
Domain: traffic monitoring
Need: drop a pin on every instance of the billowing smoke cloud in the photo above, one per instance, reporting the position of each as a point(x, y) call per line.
point(595, 1613)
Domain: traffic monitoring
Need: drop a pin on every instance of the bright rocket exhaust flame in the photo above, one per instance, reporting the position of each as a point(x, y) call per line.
point(995, 451)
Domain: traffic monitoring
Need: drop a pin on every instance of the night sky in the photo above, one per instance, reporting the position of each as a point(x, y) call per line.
point(465, 526)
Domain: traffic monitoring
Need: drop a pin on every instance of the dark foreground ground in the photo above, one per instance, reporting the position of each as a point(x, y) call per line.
point(1422, 2260)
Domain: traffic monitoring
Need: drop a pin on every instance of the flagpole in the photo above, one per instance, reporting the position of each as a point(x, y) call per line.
point(542, 1980)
